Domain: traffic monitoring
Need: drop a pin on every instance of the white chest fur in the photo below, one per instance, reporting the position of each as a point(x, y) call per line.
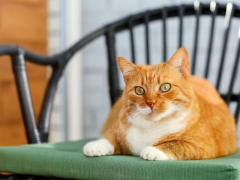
point(139, 137)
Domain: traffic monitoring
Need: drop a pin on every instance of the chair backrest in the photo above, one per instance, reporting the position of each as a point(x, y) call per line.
point(39, 133)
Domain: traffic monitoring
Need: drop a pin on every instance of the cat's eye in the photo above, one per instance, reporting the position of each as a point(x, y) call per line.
point(165, 87)
point(139, 90)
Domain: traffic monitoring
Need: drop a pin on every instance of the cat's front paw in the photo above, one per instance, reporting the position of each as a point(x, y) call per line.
point(100, 147)
point(152, 153)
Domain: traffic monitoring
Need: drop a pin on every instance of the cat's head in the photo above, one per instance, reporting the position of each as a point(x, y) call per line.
point(156, 92)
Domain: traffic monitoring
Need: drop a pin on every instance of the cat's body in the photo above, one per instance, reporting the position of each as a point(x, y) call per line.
point(188, 121)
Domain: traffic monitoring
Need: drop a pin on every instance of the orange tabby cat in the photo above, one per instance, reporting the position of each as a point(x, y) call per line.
point(166, 114)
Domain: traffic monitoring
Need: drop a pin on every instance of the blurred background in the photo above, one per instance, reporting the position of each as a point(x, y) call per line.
point(82, 101)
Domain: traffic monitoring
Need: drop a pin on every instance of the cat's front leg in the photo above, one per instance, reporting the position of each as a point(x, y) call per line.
point(153, 153)
point(100, 147)
point(178, 150)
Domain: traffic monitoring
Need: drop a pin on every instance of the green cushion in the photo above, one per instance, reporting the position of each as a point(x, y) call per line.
point(66, 160)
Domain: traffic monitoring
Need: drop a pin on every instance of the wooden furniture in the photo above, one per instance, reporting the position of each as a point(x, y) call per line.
point(23, 23)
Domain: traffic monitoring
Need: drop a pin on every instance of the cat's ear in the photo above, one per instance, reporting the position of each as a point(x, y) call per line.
point(127, 68)
point(180, 61)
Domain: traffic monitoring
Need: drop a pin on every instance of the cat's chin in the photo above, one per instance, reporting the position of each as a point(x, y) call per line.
point(145, 116)
point(153, 116)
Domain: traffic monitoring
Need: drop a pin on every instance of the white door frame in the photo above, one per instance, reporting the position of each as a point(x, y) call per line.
point(74, 73)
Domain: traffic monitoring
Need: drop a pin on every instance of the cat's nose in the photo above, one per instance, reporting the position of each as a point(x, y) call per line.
point(151, 104)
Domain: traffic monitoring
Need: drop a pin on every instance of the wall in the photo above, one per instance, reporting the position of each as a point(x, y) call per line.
point(64, 31)
point(56, 43)
point(23, 23)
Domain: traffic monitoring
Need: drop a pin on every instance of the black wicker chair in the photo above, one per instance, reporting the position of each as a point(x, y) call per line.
point(38, 133)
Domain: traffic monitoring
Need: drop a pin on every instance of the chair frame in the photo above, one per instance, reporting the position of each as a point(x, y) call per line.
point(39, 133)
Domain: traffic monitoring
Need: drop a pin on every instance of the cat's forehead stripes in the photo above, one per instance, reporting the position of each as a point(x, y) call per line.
point(151, 74)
